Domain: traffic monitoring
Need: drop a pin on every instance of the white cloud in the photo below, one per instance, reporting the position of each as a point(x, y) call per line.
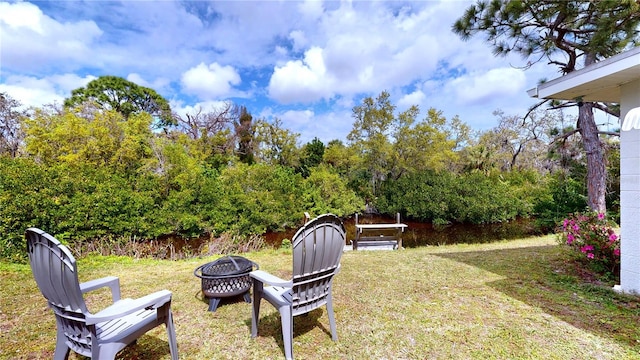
point(32, 91)
point(298, 116)
point(311, 9)
point(160, 85)
point(495, 83)
point(299, 40)
point(301, 81)
point(415, 98)
point(67, 82)
point(32, 41)
point(363, 49)
point(137, 78)
point(22, 16)
point(347, 57)
point(32, 96)
point(242, 33)
point(210, 82)
point(360, 49)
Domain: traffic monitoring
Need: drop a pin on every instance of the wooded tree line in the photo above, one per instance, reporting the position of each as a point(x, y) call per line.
point(115, 161)
point(87, 171)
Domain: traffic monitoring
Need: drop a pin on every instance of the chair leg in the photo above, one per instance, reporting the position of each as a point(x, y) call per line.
point(332, 318)
point(286, 318)
point(171, 334)
point(62, 350)
point(255, 308)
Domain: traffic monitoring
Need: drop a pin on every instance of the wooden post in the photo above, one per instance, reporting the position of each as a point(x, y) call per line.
point(355, 241)
point(400, 231)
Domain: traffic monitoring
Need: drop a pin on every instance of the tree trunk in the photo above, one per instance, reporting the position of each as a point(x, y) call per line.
point(596, 167)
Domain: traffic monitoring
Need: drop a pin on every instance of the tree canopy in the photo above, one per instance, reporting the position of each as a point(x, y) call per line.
point(560, 31)
point(123, 96)
point(390, 145)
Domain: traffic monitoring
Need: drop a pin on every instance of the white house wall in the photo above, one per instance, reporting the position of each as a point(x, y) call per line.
point(630, 193)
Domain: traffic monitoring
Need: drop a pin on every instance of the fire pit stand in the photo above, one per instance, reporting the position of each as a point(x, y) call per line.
point(226, 277)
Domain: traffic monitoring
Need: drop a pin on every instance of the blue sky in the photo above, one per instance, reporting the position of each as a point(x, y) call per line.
point(305, 62)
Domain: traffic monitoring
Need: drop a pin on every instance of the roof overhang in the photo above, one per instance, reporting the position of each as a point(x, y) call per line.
point(599, 82)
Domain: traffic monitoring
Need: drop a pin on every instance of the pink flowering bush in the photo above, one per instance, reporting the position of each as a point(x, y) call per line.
point(594, 241)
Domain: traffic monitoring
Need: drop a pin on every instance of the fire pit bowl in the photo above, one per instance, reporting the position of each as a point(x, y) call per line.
point(226, 277)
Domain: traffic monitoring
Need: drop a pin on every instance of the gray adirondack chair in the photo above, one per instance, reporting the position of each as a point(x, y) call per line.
point(103, 334)
point(317, 249)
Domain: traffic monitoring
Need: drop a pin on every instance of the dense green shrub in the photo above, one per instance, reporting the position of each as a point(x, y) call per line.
point(326, 192)
point(79, 202)
point(564, 195)
point(422, 196)
point(443, 197)
point(258, 198)
point(480, 199)
point(98, 203)
point(83, 202)
point(23, 203)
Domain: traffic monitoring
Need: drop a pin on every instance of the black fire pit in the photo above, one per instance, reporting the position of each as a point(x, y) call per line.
point(226, 277)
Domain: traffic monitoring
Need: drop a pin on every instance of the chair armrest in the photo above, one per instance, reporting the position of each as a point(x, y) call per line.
point(267, 278)
point(128, 306)
point(107, 281)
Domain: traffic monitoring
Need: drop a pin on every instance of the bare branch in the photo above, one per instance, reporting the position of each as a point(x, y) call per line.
point(565, 135)
point(531, 109)
point(564, 105)
point(607, 109)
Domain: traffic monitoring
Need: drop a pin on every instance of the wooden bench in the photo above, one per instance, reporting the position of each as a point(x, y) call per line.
point(379, 236)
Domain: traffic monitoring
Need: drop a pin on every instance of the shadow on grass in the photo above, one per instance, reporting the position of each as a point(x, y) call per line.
point(146, 347)
point(539, 277)
point(271, 325)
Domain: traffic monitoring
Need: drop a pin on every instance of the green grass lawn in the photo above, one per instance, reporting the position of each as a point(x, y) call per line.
point(507, 300)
